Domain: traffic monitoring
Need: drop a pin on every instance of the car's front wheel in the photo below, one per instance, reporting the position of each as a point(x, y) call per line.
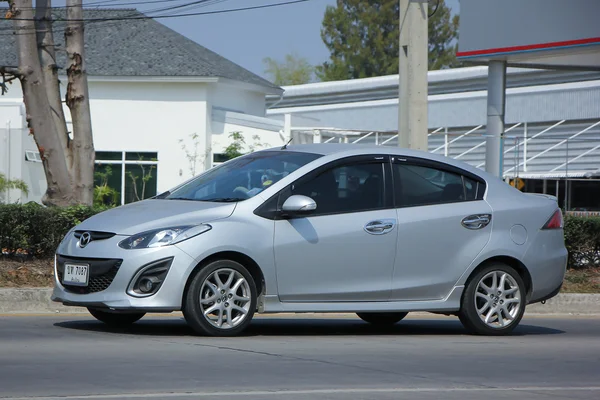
point(116, 319)
point(494, 301)
point(221, 299)
point(382, 318)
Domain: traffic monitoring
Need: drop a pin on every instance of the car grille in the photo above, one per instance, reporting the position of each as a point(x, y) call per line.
point(102, 272)
point(95, 235)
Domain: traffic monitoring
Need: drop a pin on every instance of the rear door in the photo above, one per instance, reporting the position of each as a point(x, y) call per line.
point(443, 224)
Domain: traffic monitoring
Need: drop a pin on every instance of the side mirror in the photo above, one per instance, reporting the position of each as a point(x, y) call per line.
point(298, 204)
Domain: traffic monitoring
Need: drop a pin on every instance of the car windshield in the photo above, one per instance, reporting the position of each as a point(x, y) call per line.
point(241, 178)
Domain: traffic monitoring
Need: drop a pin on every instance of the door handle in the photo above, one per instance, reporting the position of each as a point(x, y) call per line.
point(476, 221)
point(380, 227)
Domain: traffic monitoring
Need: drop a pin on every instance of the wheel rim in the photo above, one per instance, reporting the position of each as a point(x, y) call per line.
point(225, 298)
point(497, 299)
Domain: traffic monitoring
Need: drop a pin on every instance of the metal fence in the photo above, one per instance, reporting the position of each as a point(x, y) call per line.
point(561, 158)
point(530, 150)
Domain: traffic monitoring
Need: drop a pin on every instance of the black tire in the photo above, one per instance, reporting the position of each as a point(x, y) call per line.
point(192, 309)
point(382, 318)
point(468, 314)
point(116, 319)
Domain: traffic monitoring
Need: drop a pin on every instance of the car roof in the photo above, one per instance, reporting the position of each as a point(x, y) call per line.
point(349, 149)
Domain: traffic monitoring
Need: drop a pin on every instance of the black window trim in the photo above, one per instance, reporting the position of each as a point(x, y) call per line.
point(271, 208)
point(416, 161)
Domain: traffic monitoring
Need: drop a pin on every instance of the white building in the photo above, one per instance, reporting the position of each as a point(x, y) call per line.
point(151, 90)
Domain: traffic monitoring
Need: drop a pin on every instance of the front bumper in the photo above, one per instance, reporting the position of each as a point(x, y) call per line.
point(114, 296)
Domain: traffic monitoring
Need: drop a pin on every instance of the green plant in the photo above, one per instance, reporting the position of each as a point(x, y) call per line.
point(236, 146)
point(104, 195)
point(257, 143)
point(145, 177)
point(193, 156)
point(582, 239)
point(6, 184)
point(34, 231)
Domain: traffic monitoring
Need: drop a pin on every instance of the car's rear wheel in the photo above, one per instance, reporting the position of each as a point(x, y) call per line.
point(116, 319)
point(494, 301)
point(221, 299)
point(382, 318)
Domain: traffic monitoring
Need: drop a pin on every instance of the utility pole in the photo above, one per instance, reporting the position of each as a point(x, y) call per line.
point(414, 64)
point(496, 100)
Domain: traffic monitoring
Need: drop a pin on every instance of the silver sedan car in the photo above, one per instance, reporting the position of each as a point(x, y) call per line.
point(371, 230)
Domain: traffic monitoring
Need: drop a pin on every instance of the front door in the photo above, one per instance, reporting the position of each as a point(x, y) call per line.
point(345, 250)
point(443, 224)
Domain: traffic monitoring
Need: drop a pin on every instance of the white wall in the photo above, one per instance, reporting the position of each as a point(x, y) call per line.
point(152, 117)
point(238, 99)
point(225, 123)
point(156, 116)
point(14, 141)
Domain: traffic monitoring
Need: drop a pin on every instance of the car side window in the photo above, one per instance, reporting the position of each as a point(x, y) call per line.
point(471, 189)
point(345, 188)
point(418, 185)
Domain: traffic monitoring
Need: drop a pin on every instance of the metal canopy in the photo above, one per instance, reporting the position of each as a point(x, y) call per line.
point(554, 34)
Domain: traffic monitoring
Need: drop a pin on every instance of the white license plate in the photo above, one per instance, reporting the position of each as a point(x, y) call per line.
point(76, 274)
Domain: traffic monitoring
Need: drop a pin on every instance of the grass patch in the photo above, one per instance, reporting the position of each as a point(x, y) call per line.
point(582, 281)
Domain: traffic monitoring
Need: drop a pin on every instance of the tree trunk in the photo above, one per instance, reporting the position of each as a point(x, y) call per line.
point(39, 118)
point(47, 54)
point(77, 98)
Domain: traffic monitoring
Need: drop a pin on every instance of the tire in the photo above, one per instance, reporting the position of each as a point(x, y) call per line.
point(382, 318)
point(116, 319)
point(504, 306)
point(230, 308)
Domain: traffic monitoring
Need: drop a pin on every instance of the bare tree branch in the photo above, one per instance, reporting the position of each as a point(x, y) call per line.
point(39, 117)
point(7, 77)
point(77, 98)
point(47, 55)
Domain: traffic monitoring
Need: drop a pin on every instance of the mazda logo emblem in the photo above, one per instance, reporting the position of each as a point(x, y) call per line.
point(85, 239)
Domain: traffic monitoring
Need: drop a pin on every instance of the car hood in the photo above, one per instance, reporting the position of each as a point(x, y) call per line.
point(155, 214)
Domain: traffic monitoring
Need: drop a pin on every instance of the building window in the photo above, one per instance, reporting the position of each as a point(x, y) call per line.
point(33, 156)
point(219, 158)
point(125, 177)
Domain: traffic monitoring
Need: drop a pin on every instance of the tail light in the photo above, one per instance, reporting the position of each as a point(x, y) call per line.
point(556, 221)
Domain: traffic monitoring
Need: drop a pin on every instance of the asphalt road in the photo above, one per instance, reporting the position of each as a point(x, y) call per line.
point(303, 358)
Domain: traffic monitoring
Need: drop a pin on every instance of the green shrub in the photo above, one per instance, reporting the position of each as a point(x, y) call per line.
point(35, 231)
point(582, 239)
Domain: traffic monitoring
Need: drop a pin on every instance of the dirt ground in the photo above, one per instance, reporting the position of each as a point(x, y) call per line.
point(30, 273)
point(40, 273)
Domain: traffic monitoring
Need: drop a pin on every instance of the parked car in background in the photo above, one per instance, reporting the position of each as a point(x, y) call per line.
point(371, 230)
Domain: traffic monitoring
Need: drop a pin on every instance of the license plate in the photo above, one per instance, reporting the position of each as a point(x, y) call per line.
point(76, 275)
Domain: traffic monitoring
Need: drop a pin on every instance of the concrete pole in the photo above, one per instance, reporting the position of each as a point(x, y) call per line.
point(496, 99)
point(414, 64)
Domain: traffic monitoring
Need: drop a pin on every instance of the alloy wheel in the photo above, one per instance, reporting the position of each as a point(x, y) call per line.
point(225, 298)
point(497, 299)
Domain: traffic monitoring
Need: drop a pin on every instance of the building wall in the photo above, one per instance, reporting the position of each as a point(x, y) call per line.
point(578, 100)
point(15, 140)
point(149, 117)
point(152, 116)
point(258, 132)
point(232, 97)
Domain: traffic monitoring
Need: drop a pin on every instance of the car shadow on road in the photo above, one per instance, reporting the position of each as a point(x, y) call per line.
point(303, 327)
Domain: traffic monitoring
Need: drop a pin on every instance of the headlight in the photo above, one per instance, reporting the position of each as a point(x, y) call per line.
point(163, 237)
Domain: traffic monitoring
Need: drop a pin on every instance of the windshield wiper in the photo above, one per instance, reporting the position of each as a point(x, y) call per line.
point(224, 199)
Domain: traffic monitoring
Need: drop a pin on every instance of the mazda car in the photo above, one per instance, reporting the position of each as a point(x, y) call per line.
point(375, 231)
